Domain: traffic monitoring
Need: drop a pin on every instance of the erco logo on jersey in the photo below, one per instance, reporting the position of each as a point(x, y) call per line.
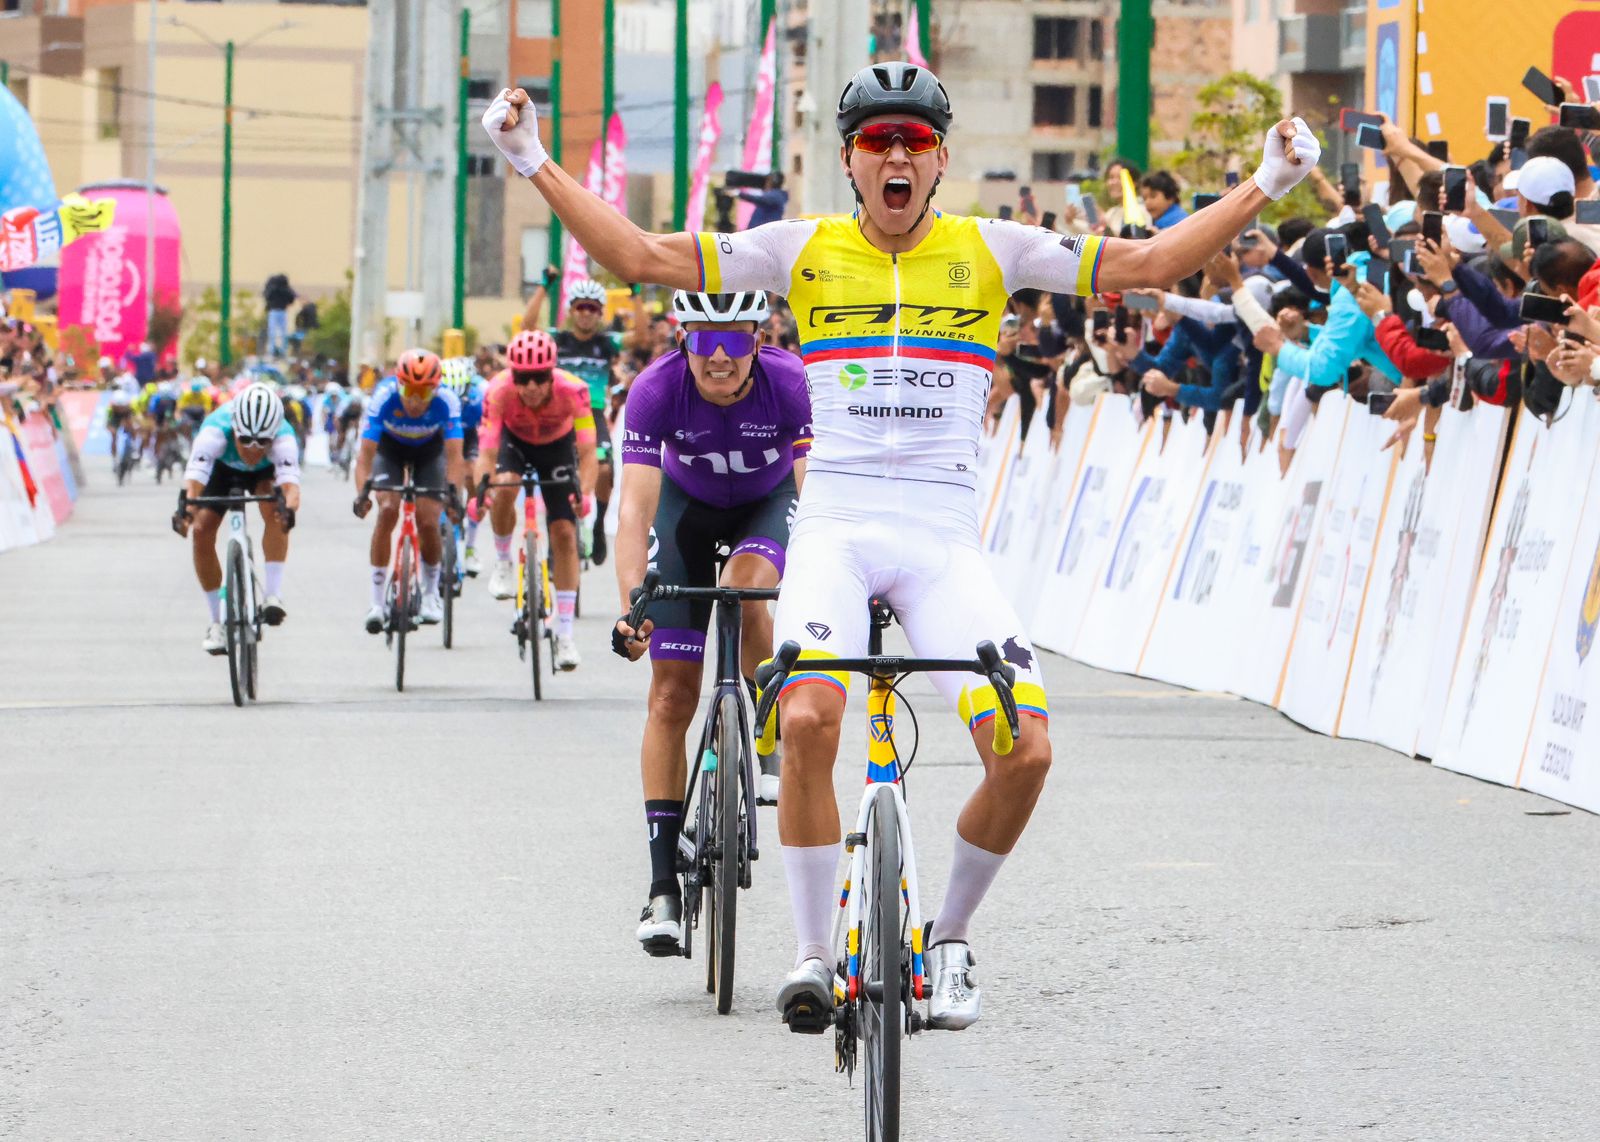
point(852, 376)
point(942, 317)
point(886, 377)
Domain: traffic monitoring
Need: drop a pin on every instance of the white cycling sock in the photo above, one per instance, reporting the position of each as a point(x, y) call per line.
point(812, 872)
point(471, 530)
point(274, 578)
point(430, 578)
point(214, 604)
point(502, 548)
point(972, 871)
point(566, 604)
point(380, 579)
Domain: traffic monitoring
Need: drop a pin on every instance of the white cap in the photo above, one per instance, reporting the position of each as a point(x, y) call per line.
point(1464, 235)
point(200, 364)
point(1541, 179)
point(106, 363)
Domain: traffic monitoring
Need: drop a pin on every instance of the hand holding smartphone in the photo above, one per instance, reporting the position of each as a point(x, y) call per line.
point(1547, 89)
point(1541, 307)
point(1496, 118)
point(1433, 226)
point(1455, 189)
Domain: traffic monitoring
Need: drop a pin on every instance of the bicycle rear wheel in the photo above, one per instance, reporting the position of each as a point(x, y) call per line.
point(447, 579)
point(882, 1018)
point(727, 851)
point(234, 625)
point(400, 615)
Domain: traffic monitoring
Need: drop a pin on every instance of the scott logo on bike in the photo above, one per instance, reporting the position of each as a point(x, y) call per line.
point(881, 726)
point(819, 631)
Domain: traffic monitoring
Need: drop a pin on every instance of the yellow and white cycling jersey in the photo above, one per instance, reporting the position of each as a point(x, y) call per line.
point(899, 349)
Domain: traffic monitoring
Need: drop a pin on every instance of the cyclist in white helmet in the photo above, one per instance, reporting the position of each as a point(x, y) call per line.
point(247, 446)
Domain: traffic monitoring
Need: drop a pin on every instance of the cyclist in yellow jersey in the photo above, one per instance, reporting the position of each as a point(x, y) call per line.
point(899, 310)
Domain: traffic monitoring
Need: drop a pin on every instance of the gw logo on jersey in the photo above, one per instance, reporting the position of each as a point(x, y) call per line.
point(941, 317)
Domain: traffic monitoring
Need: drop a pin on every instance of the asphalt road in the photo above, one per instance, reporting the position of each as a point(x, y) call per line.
point(351, 913)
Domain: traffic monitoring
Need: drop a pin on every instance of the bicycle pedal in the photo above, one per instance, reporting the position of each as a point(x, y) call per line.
point(662, 947)
point(803, 1016)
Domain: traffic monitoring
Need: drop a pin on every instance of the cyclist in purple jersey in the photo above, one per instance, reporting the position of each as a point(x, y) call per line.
point(714, 445)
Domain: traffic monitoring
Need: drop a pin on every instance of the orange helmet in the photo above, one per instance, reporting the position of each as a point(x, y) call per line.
point(532, 349)
point(418, 369)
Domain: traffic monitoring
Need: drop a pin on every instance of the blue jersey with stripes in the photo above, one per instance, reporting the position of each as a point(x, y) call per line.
point(387, 417)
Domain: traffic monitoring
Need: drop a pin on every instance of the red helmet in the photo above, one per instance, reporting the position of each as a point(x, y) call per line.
point(531, 350)
point(418, 369)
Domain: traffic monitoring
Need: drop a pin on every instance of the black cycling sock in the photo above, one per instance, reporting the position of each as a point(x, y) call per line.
point(665, 820)
point(597, 550)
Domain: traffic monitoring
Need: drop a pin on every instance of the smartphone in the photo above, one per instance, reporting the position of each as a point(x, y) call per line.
point(1586, 213)
point(1433, 226)
point(1520, 129)
point(1230, 179)
point(1351, 120)
point(1538, 232)
point(1350, 181)
point(1091, 210)
point(1434, 340)
point(1541, 307)
point(1506, 218)
point(1246, 240)
point(1369, 136)
point(1591, 88)
point(1439, 149)
point(1519, 157)
point(1496, 118)
point(1547, 90)
point(1073, 193)
point(1048, 220)
point(1378, 273)
point(1455, 189)
point(1579, 116)
point(1010, 323)
point(1137, 301)
point(1101, 320)
point(1400, 252)
point(1338, 248)
point(1378, 403)
point(1201, 201)
point(1372, 215)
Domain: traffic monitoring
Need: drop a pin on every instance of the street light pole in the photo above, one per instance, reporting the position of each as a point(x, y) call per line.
point(150, 178)
point(458, 310)
point(680, 118)
point(225, 318)
point(555, 147)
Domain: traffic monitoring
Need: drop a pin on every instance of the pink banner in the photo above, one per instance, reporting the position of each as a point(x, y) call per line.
point(39, 441)
point(913, 39)
point(758, 137)
point(577, 265)
point(700, 180)
point(103, 275)
point(615, 190)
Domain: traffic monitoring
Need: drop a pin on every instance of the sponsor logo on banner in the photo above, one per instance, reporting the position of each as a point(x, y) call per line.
point(106, 268)
point(1497, 594)
point(1094, 478)
point(1292, 547)
point(1589, 613)
point(1397, 578)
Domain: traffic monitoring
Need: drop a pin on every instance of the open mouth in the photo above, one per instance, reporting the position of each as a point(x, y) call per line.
point(720, 375)
point(897, 193)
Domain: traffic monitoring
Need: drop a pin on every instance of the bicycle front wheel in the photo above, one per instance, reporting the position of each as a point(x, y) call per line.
point(533, 621)
point(880, 1002)
point(727, 851)
point(447, 579)
point(400, 616)
point(235, 620)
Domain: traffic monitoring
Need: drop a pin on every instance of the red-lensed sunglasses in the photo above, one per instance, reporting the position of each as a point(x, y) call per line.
point(879, 138)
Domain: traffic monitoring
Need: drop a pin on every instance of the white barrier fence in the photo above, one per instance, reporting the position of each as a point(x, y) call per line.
point(1363, 593)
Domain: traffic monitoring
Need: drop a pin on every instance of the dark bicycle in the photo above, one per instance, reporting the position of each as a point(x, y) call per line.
point(535, 598)
point(716, 862)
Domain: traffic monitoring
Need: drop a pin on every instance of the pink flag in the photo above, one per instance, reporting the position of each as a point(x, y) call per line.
point(913, 39)
point(699, 181)
point(758, 138)
point(615, 190)
point(577, 265)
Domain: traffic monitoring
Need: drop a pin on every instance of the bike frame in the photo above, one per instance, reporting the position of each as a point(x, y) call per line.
point(239, 536)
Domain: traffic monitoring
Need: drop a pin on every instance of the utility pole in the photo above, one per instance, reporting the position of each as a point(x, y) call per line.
point(433, 158)
point(150, 174)
point(769, 14)
point(836, 48)
point(680, 118)
point(553, 293)
point(225, 316)
point(924, 28)
point(458, 308)
point(1135, 36)
point(370, 280)
point(608, 81)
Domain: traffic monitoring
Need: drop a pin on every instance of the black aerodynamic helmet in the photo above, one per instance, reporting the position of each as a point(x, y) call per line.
point(887, 88)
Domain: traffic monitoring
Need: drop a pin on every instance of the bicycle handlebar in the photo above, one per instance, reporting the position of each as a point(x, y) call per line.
point(771, 675)
point(652, 589)
point(413, 491)
point(529, 480)
point(235, 502)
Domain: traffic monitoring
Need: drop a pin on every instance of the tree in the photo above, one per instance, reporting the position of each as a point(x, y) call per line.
point(331, 338)
point(205, 325)
point(1235, 114)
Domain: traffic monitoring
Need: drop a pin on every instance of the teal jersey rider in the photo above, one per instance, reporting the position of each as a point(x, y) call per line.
point(222, 421)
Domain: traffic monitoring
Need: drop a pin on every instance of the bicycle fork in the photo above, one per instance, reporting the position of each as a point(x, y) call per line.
point(882, 769)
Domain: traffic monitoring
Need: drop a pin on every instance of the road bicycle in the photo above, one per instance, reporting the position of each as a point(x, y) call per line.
point(128, 452)
point(535, 589)
point(878, 980)
point(241, 588)
point(171, 454)
point(403, 596)
point(718, 845)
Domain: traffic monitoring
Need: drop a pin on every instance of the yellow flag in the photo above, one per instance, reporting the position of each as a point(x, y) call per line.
point(1133, 211)
point(80, 216)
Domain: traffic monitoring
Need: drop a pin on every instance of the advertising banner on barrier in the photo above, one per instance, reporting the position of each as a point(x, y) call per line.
point(39, 439)
point(1019, 515)
point(996, 450)
point(1023, 565)
point(1325, 633)
point(1128, 588)
point(17, 516)
point(1197, 610)
point(1518, 595)
point(1271, 610)
point(1083, 534)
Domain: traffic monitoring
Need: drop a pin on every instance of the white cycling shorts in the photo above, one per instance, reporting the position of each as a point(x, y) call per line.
point(915, 546)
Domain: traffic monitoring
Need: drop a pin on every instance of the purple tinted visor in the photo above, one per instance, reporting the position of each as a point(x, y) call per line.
point(705, 342)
